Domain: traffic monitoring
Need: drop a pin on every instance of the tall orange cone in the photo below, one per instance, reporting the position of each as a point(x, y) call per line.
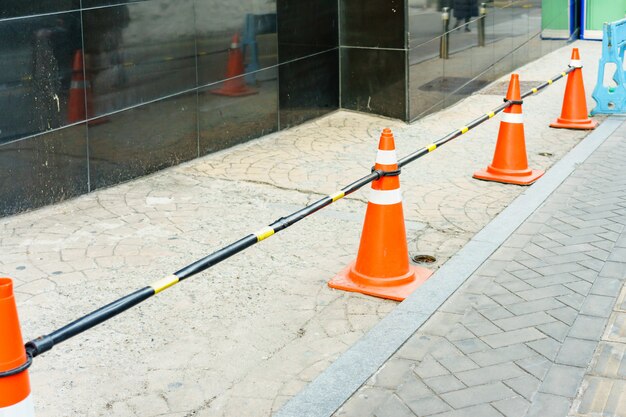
point(574, 112)
point(76, 111)
point(15, 400)
point(235, 85)
point(510, 164)
point(382, 266)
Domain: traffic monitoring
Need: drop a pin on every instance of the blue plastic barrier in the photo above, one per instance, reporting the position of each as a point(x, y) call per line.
point(612, 100)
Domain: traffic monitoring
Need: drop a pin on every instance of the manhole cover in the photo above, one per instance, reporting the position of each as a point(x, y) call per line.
point(499, 89)
point(452, 84)
point(424, 259)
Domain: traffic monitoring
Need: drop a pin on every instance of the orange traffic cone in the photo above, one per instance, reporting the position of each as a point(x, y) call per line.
point(80, 90)
point(574, 112)
point(76, 103)
point(15, 397)
point(382, 266)
point(510, 164)
point(235, 85)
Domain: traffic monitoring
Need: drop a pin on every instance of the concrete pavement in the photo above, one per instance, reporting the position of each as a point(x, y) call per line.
point(249, 334)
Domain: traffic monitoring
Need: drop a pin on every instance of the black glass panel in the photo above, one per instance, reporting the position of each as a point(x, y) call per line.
point(249, 25)
point(306, 27)
point(138, 52)
point(43, 169)
point(232, 112)
point(36, 57)
point(372, 23)
point(142, 140)
point(427, 84)
point(309, 88)
point(373, 81)
point(100, 3)
point(16, 8)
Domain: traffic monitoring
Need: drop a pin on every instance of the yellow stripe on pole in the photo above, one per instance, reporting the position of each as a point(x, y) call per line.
point(164, 283)
point(338, 195)
point(464, 129)
point(550, 81)
point(431, 147)
point(491, 114)
point(563, 74)
point(264, 233)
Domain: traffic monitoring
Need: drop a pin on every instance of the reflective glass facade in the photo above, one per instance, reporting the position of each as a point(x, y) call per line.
point(97, 92)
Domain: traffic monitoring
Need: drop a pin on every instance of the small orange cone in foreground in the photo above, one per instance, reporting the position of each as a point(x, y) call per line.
point(235, 85)
point(15, 400)
point(382, 266)
point(510, 164)
point(574, 112)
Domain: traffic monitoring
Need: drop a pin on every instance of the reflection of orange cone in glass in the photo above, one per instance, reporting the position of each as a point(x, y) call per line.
point(15, 399)
point(574, 112)
point(235, 85)
point(76, 101)
point(382, 266)
point(510, 164)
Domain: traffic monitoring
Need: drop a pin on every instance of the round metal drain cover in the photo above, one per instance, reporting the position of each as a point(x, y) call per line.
point(424, 259)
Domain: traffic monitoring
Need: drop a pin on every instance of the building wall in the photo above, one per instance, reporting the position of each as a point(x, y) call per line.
point(153, 71)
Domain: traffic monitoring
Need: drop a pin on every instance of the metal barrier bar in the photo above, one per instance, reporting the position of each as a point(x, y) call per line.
point(44, 343)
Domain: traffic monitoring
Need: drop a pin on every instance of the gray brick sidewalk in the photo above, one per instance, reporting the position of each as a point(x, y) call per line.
point(519, 337)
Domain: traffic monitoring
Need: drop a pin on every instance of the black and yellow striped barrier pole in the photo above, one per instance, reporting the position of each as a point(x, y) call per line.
point(44, 343)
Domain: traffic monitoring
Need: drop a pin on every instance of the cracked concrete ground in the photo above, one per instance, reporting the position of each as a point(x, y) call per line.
point(245, 336)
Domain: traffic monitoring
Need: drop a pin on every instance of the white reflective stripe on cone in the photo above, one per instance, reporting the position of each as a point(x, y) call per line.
point(386, 157)
point(512, 117)
point(24, 408)
point(576, 63)
point(385, 197)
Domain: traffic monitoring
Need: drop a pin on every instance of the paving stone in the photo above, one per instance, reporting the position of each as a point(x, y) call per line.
point(603, 397)
point(503, 354)
point(582, 247)
point(620, 305)
point(445, 383)
point(526, 385)
point(440, 323)
point(547, 347)
point(616, 328)
point(587, 327)
point(576, 352)
point(565, 314)
point(614, 269)
point(413, 389)
point(393, 373)
point(523, 321)
point(458, 363)
point(428, 405)
point(581, 287)
point(610, 360)
point(363, 402)
point(597, 305)
point(468, 346)
point(537, 365)
point(477, 395)
point(512, 407)
point(588, 275)
point(556, 330)
point(568, 258)
point(417, 347)
point(492, 373)
point(512, 337)
point(507, 299)
point(548, 405)
point(429, 367)
point(492, 268)
point(495, 313)
point(562, 380)
point(534, 306)
point(573, 300)
point(443, 349)
point(546, 281)
point(481, 327)
point(558, 269)
point(482, 410)
point(393, 407)
point(545, 292)
point(606, 286)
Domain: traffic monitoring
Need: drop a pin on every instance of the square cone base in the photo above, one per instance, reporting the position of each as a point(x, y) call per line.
point(235, 93)
point(564, 124)
point(342, 281)
point(485, 175)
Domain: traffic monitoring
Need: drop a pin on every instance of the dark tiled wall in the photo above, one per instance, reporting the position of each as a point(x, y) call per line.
point(96, 92)
point(373, 57)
